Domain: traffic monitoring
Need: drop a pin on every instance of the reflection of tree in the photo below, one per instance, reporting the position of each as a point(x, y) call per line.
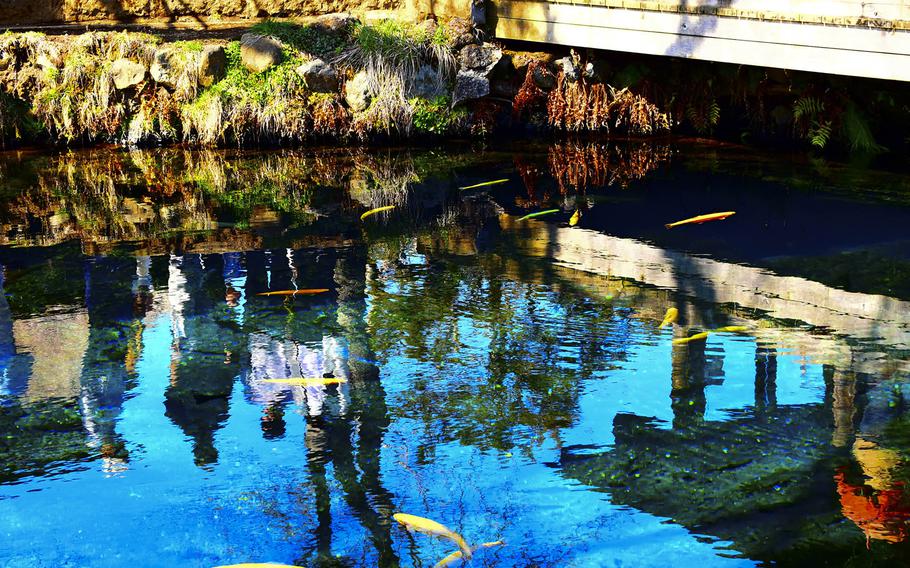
point(527, 384)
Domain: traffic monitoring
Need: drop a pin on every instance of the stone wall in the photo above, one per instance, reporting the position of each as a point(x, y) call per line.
point(203, 13)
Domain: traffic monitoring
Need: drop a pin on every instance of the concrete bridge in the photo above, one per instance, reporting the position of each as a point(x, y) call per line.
point(841, 37)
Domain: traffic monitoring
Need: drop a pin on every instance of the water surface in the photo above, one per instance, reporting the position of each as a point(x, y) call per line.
point(506, 378)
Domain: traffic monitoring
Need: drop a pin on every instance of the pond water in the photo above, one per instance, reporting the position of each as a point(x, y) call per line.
point(508, 378)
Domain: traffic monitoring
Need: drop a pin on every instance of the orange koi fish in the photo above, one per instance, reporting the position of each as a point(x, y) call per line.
point(702, 219)
point(306, 381)
point(303, 292)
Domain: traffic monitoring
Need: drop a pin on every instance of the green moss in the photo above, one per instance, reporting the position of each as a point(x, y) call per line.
point(191, 46)
point(437, 117)
point(305, 38)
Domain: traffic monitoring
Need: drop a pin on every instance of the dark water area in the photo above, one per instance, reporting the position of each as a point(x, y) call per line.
point(508, 378)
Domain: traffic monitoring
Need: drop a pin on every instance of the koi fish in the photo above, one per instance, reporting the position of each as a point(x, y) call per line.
point(702, 219)
point(432, 528)
point(573, 220)
point(539, 213)
point(669, 317)
point(303, 292)
point(696, 337)
point(455, 556)
point(377, 210)
point(484, 184)
point(731, 329)
point(306, 381)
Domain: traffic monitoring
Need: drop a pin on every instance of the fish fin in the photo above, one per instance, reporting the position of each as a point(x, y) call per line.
point(466, 551)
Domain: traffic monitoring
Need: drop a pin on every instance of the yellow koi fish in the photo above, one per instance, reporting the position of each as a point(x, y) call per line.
point(702, 219)
point(432, 528)
point(732, 329)
point(377, 210)
point(538, 214)
point(304, 292)
point(669, 317)
point(696, 337)
point(573, 220)
point(484, 184)
point(455, 556)
point(306, 381)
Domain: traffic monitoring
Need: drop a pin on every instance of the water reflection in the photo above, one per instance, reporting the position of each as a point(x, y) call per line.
point(506, 378)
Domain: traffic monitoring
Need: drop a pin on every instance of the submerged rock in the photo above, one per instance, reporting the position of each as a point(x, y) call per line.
point(259, 53)
point(480, 58)
point(126, 73)
point(212, 65)
point(470, 85)
point(320, 77)
point(357, 92)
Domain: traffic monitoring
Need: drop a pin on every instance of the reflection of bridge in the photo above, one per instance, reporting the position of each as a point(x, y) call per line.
point(842, 37)
point(849, 319)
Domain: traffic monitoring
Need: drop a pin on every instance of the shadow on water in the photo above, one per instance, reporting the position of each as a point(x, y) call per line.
point(483, 360)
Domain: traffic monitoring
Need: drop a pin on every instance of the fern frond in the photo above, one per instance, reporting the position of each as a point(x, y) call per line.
point(857, 132)
point(808, 107)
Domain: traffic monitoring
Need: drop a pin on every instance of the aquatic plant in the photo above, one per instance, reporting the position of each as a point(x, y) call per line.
point(579, 106)
point(436, 116)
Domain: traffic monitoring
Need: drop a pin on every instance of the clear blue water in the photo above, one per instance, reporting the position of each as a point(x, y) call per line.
point(508, 379)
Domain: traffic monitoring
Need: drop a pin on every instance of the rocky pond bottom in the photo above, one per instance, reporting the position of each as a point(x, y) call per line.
point(508, 378)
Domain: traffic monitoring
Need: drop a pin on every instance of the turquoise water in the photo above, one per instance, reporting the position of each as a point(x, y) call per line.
point(506, 378)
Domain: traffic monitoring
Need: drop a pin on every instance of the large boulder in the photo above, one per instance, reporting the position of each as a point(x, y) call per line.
point(126, 73)
point(479, 58)
point(166, 66)
point(357, 92)
point(212, 65)
point(470, 85)
point(319, 76)
point(258, 53)
point(460, 32)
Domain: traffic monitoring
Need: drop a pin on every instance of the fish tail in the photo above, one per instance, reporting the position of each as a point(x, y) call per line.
point(669, 225)
point(466, 551)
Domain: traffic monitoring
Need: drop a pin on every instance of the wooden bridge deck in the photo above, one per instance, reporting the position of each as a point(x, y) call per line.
point(842, 37)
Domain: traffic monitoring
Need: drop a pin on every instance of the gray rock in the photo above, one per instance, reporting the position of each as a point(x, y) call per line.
point(480, 58)
point(357, 93)
point(166, 65)
point(470, 85)
point(212, 65)
point(427, 83)
point(460, 32)
point(336, 22)
point(320, 77)
point(127, 73)
point(259, 53)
